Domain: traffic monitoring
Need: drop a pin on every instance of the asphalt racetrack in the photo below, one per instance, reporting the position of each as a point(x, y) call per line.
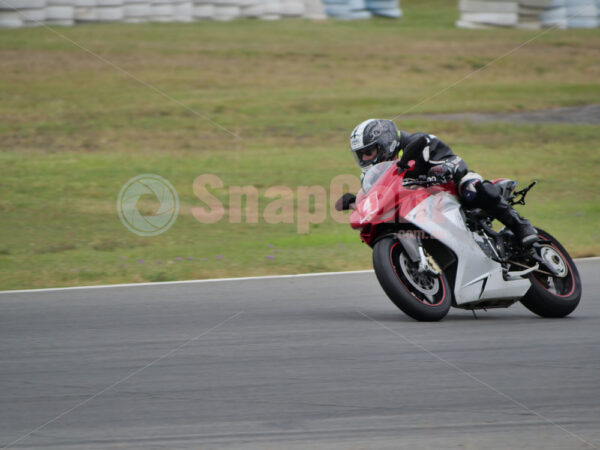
point(292, 363)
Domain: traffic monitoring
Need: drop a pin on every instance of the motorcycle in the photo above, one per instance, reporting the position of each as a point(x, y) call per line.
point(431, 253)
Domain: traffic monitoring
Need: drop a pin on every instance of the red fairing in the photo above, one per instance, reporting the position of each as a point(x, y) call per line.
point(498, 180)
point(389, 201)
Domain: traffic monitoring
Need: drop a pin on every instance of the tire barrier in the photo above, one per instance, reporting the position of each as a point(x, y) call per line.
point(20, 13)
point(384, 8)
point(161, 11)
point(59, 12)
point(183, 11)
point(85, 11)
point(529, 14)
point(109, 10)
point(136, 11)
point(573, 14)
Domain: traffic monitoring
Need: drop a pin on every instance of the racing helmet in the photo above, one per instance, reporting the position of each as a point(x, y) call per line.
point(374, 141)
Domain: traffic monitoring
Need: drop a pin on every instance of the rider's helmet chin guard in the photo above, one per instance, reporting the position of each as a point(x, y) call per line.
point(374, 134)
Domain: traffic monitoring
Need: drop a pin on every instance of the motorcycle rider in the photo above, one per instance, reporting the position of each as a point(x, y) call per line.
point(377, 140)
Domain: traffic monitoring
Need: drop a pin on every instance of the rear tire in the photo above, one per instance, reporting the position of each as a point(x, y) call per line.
point(554, 296)
point(423, 296)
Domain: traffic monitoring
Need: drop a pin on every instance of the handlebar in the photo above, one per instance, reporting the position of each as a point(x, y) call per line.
point(422, 181)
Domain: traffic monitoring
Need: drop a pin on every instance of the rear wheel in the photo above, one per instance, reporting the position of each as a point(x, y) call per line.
point(558, 295)
point(424, 296)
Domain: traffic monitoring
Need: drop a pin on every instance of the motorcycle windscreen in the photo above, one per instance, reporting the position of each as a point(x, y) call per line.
point(374, 173)
point(376, 195)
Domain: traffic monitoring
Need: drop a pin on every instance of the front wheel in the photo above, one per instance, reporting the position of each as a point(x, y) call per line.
point(424, 296)
point(553, 296)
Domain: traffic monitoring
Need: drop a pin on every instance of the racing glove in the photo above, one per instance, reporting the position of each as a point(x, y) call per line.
point(440, 173)
point(345, 201)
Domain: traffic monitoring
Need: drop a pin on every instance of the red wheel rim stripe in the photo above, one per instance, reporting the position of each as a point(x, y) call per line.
point(417, 298)
point(570, 271)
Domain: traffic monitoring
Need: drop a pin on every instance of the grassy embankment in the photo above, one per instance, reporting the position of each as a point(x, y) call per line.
point(73, 130)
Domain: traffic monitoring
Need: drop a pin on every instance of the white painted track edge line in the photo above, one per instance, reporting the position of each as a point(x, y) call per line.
point(166, 283)
point(208, 280)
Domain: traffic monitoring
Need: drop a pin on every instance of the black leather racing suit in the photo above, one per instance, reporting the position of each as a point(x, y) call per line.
point(430, 152)
point(431, 155)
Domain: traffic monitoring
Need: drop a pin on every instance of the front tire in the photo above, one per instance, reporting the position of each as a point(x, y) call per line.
point(426, 297)
point(554, 296)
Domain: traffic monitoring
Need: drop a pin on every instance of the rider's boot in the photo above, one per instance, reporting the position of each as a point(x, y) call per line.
point(489, 199)
point(526, 234)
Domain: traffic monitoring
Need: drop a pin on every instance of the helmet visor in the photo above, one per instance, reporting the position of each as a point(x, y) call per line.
point(367, 155)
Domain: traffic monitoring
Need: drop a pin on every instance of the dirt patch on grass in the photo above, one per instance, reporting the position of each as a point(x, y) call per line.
point(578, 115)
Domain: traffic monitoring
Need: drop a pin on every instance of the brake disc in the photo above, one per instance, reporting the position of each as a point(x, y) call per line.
point(424, 282)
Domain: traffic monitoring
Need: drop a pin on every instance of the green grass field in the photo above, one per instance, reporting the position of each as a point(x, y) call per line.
point(74, 129)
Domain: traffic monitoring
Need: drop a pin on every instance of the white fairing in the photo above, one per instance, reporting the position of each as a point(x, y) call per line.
point(477, 277)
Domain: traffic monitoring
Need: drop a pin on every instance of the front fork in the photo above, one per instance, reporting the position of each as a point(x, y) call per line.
point(414, 249)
